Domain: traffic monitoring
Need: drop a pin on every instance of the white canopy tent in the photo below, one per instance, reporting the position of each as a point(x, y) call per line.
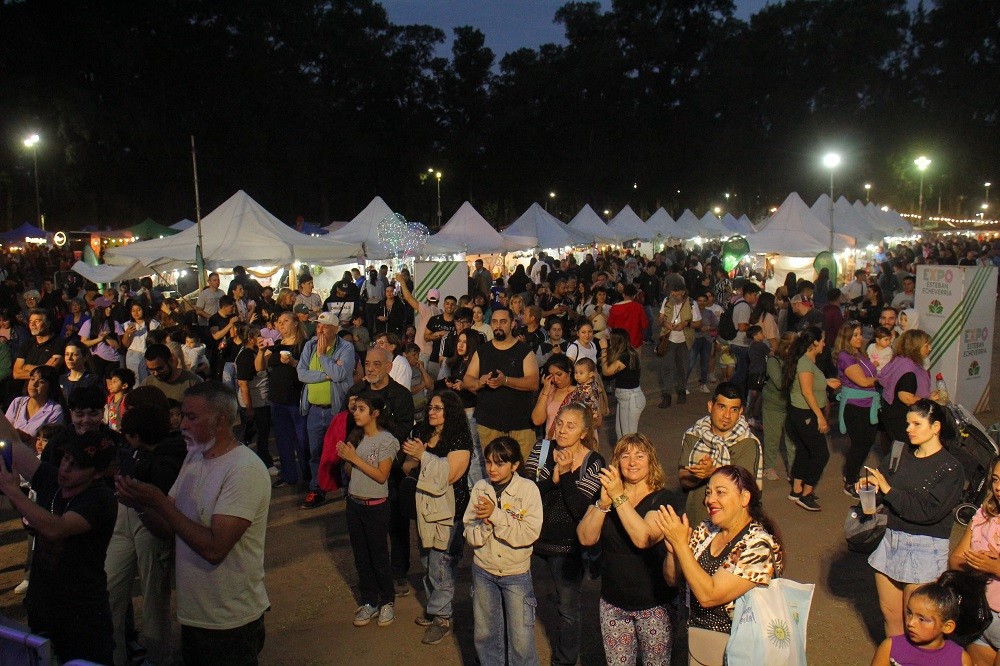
point(661, 223)
point(589, 223)
point(105, 273)
point(794, 231)
point(182, 224)
point(547, 231)
point(363, 231)
point(628, 226)
point(712, 226)
point(735, 225)
point(746, 223)
point(689, 224)
point(470, 233)
point(845, 219)
point(238, 232)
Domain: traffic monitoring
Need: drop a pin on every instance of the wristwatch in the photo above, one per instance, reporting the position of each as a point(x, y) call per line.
point(618, 501)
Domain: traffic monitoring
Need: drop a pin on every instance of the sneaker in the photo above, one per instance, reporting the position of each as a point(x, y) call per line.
point(704, 388)
point(280, 483)
point(437, 630)
point(850, 491)
point(794, 496)
point(386, 615)
point(682, 397)
point(313, 500)
point(272, 470)
point(22, 587)
point(665, 402)
point(364, 615)
point(770, 474)
point(402, 588)
point(424, 620)
point(808, 502)
point(712, 377)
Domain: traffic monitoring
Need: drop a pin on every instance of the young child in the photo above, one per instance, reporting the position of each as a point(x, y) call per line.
point(120, 382)
point(880, 351)
point(175, 414)
point(502, 522)
point(555, 343)
point(590, 389)
point(362, 339)
point(931, 617)
point(409, 335)
point(194, 355)
point(727, 363)
point(757, 353)
point(368, 454)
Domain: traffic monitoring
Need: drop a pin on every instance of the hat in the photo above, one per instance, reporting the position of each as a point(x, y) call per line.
point(102, 302)
point(94, 449)
point(328, 318)
point(799, 298)
point(302, 308)
point(675, 282)
point(434, 295)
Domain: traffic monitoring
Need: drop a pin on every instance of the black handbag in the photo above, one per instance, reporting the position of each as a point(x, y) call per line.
point(863, 532)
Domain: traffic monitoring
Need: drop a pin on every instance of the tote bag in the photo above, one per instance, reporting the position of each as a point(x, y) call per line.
point(769, 624)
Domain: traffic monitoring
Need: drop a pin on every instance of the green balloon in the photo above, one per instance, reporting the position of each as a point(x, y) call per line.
point(825, 259)
point(733, 251)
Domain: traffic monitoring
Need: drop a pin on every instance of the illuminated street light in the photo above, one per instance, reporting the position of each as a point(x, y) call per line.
point(717, 210)
point(552, 197)
point(987, 186)
point(434, 173)
point(831, 161)
point(32, 142)
point(922, 163)
point(607, 214)
point(868, 192)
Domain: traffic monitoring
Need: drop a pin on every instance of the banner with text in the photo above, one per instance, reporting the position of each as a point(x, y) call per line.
point(956, 305)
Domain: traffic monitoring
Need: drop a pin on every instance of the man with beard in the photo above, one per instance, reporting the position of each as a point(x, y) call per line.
point(44, 347)
point(679, 319)
point(504, 375)
point(217, 513)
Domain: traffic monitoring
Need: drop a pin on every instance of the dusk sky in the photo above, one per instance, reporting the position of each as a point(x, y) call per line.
point(507, 24)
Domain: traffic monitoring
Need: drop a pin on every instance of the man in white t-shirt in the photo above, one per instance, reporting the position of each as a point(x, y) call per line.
point(208, 300)
point(679, 319)
point(217, 513)
point(740, 346)
point(424, 312)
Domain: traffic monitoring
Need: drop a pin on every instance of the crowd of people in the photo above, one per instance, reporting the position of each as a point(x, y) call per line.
point(505, 422)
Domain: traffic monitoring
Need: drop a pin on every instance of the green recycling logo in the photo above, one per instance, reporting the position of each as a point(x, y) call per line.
point(974, 369)
point(935, 307)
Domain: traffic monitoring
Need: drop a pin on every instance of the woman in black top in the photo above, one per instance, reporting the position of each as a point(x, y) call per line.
point(284, 390)
point(634, 594)
point(518, 281)
point(567, 472)
point(619, 360)
point(390, 315)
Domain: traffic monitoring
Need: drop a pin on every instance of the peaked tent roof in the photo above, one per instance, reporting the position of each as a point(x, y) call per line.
point(24, 231)
point(736, 225)
point(845, 219)
point(363, 230)
point(547, 231)
point(589, 223)
point(896, 223)
point(710, 223)
point(181, 225)
point(660, 222)
point(467, 231)
point(689, 224)
point(794, 231)
point(745, 222)
point(238, 232)
point(149, 228)
point(627, 226)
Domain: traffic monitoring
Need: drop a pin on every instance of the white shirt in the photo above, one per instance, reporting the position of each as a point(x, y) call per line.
point(672, 313)
point(401, 371)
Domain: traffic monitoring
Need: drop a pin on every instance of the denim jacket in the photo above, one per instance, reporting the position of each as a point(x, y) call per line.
point(338, 366)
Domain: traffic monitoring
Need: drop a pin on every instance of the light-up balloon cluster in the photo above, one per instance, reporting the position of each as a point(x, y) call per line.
point(402, 239)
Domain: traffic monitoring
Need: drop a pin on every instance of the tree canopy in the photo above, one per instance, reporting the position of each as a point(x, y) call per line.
point(314, 107)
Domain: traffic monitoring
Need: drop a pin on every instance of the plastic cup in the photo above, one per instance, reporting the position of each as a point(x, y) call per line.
point(867, 492)
point(285, 355)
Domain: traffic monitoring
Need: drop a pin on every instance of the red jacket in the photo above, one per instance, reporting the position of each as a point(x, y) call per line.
point(632, 317)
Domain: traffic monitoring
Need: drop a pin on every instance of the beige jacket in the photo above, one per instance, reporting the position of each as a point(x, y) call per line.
point(435, 502)
point(502, 546)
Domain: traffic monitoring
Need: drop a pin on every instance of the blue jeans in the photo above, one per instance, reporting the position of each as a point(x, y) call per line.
point(701, 350)
point(439, 576)
point(741, 374)
point(631, 402)
point(317, 421)
point(290, 439)
point(136, 362)
point(567, 575)
point(477, 466)
point(502, 603)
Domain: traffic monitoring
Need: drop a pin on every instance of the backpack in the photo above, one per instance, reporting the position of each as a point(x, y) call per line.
point(727, 329)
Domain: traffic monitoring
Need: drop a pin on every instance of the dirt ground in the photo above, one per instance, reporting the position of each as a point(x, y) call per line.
point(311, 580)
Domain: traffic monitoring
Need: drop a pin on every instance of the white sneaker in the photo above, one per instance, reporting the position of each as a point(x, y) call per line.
point(386, 615)
point(364, 615)
point(22, 587)
point(703, 388)
point(272, 470)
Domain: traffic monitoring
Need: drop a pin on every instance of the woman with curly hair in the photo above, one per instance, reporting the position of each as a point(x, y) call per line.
point(441, 447)
point(634, 595)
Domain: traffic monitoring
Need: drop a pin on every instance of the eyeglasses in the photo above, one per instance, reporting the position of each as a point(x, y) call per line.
point(435, 408)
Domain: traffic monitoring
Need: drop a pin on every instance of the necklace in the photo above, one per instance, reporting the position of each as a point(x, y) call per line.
point(52, 504)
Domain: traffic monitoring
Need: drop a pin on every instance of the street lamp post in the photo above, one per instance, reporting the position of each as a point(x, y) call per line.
point(987, 186)
point(831, 161)
point(922, 163)
point(868, 192)
point(552, 197)
point(32, 142)
point(607, 214)
point(437, 175)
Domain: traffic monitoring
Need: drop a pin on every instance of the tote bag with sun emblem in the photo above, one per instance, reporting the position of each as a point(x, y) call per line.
point(769, 624)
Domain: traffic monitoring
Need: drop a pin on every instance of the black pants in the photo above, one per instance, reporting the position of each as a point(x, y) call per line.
point(258, 432)
point(862, 433)
point(811, 450)
point(399, 538)
point(85, 634)
point(368, 527)
point(223, 647)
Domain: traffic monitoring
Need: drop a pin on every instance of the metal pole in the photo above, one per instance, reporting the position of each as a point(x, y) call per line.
point(439, 199)
point(38, 196)
point(831, 211)
point(920, 205)
point(197, 214)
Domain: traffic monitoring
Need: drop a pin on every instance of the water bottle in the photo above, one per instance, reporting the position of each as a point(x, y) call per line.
point(942, 389)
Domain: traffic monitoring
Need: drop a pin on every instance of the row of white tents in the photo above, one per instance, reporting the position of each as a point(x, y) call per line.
point(241, 231)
